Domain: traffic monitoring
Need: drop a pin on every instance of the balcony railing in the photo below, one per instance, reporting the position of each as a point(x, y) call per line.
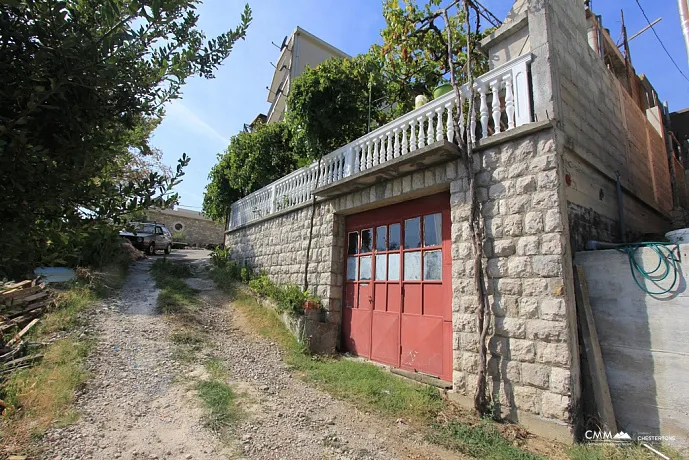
point(503, 102)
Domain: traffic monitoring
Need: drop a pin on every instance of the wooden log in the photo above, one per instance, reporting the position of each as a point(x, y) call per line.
point(14, 369)
point(26, 300)
point(19, 285)
point(21, 361)
point(18, 321)
point(21, 333)
point(29, 308)
point(8, 297)
point(594, 356)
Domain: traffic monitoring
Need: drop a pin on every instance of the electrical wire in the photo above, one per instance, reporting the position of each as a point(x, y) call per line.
point(660, 41)
point(667, 265)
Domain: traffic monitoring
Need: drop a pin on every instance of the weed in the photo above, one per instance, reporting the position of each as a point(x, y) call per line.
point(215, 368)
point(163, 268)
point(188, 337)
point(70, 303)
point(482, 440)
point(43, 395)
point(175, 297)
point(218, 398)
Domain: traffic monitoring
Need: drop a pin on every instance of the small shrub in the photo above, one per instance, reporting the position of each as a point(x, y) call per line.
point(262, 285)
point(291, 299)
point(179, 236)
point(247, 274)
point(220, 257)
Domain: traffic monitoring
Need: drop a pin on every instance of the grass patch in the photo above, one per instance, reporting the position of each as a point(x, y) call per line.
point(43, 395)
point(482, 440)
point(219, 399)
point(175, 297)
point(70, 304)
point(189, 342)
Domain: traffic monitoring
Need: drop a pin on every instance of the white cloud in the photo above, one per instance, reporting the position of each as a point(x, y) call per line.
point(181, 115)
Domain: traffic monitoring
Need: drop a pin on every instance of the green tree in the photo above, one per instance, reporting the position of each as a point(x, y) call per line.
point(328, 105)
point(252, 160)
point(82, 83)
point(414, 50)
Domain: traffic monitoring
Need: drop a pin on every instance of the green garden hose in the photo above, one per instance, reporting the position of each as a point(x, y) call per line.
point(667, 265)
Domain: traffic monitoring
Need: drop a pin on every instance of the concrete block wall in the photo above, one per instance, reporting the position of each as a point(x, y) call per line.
point(644, 342)
point(601, 127)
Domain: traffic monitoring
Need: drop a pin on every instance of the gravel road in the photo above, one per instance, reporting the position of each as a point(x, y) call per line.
point(140, 402)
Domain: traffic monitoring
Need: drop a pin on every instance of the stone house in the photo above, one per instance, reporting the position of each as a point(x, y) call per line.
point(187, 226)
point(391, 255)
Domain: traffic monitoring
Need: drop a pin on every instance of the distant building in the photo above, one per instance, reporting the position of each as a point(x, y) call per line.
point(299, 50)
point(187, 226)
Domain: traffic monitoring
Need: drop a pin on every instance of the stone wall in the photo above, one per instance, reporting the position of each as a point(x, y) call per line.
point(530, 364)
point(278, 247)
point(198, 232)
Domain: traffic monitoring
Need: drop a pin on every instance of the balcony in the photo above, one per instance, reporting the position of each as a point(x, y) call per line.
point(420, 138)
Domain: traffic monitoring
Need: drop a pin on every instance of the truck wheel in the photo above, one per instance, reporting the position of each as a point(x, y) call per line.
point(151, 249)
point(168, 248)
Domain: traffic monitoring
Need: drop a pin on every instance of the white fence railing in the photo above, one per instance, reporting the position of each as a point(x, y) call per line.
point(503, 102)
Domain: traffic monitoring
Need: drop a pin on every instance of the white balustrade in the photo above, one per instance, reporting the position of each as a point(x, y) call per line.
point(502, 101)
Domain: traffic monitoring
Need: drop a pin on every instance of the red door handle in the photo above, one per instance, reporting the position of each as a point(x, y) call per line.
point(370, 299)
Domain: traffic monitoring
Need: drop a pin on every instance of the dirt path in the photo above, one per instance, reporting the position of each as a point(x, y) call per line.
point(140, 402)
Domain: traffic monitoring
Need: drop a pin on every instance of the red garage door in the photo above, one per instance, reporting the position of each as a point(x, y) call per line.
point(398, 290)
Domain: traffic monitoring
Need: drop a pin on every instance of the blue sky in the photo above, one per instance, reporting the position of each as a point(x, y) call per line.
point(211, 111)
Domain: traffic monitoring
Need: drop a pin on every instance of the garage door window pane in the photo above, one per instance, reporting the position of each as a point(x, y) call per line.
point(353, 243)
point(432, 229)
point(432, 265)
point(394, 240)
point(366, 240)
point(381, 238)
point(351, 268)
point(412, 233)
point(365, 268)
point(412, 265)
point(381, 267)
point(394, 268)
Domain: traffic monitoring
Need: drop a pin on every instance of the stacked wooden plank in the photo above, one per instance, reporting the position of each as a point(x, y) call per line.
point(21, 306)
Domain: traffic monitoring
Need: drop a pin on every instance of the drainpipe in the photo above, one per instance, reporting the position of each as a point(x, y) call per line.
point(684, 19)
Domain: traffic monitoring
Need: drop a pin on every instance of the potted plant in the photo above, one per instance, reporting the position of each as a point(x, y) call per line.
point(312, 303)
point(441, 90)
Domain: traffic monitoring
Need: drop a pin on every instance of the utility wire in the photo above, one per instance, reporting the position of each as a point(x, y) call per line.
point(660, 41)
